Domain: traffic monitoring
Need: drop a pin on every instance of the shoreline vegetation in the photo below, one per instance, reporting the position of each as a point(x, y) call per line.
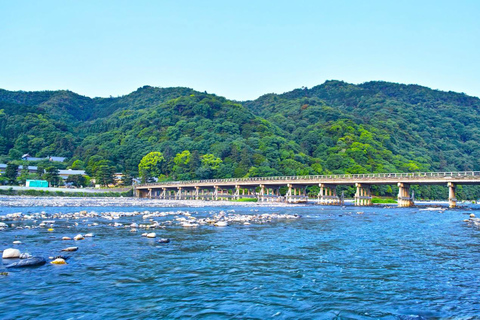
point(383, 200)
point(58, 193)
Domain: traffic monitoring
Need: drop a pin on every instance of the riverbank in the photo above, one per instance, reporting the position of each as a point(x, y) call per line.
point(106, 201)
point(75, 201)
point(65, 192)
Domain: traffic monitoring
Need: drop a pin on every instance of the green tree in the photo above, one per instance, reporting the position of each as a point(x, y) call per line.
point(77, 180)
point(150, 165)
point(104, 174)
point(11, 172)
point(52, 176)
point(78, 165)
point(211, 162)
point(182, 159)
point(24, 174)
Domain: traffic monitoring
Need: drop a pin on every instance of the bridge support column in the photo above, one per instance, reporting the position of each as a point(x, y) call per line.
point(236, 194)
point(288, 195)
point(295, 194)
point(363, 196)
point(452, 199)
point(328, 195)
point(215, 193)
point(163, 193)
point(262, 193)
point(178, 195)
point(197, 193)
point(404, 199)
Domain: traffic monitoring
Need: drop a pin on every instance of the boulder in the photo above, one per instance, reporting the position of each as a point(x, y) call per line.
point(11, 253)
point(78, 237)
point(66, 238)
point(30, 262)
point(163, 240)
point(89, 235)
point(151, 235)
point(58, 261)
point(70, 249)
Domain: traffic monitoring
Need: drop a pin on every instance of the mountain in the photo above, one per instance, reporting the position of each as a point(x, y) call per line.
point(434, 130)
point(335, 127)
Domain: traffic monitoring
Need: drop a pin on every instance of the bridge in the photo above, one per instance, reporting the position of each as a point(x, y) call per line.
point(268, 188)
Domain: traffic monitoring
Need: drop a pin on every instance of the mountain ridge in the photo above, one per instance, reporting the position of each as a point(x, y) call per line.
point(335, 127)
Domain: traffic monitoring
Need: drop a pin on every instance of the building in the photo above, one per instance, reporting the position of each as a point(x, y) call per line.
point(64, 174)
point(27, 157)
point(31, 169)
point(37, 183)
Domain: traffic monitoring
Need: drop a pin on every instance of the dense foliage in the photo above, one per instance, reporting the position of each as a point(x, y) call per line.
point(335, 127)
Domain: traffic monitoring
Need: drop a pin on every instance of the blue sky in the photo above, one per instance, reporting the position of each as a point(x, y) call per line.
point(237, 49)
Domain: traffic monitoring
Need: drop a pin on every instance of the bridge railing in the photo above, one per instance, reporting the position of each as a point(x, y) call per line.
point(347, 177)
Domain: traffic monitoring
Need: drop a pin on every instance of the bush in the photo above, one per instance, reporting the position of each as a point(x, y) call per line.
point(383, 200)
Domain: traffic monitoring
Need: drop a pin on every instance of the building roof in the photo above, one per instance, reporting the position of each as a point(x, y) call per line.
point(27, 157)
point(57, 159)
point(20, 167)
point(70, 172)
point(30, 168)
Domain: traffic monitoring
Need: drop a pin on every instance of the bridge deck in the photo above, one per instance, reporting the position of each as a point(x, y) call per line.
point(419, 178)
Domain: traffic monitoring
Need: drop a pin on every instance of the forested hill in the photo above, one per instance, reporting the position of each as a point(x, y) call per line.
point(335, 127)
point(438, 130)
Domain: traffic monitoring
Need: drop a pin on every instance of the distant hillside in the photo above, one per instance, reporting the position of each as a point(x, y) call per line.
point(436, 130)
point(335, 127)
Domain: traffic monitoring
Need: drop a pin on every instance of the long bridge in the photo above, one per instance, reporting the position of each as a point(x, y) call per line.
point(268, 188)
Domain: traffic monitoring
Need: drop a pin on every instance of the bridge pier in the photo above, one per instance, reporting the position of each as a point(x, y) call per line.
point(328, 195)
point(363, 196)
point(246, 192)
point(163, 194)
point(178, 195)
point(296, 193)
point(269, 193)
point(452, 199)
point(404, 198)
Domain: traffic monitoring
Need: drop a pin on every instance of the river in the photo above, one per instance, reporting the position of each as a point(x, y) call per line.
point(331, 263)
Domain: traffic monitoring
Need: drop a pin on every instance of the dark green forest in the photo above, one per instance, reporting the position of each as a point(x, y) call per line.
point(335, 127)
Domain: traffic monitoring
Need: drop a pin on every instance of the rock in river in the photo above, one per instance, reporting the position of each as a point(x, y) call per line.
point(11, 253)
point(59, 261)
point(78, 237)
point(70, 249)
point(30, 262)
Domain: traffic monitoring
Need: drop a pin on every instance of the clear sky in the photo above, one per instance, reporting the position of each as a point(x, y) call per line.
point(237, 49)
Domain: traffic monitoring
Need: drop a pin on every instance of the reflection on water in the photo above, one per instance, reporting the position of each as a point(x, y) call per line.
point(331, 263)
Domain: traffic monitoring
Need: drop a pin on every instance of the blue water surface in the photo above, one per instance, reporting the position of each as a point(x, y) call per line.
point(333, 263)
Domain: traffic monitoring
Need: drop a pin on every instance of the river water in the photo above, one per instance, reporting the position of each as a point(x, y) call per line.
point(332, 263)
